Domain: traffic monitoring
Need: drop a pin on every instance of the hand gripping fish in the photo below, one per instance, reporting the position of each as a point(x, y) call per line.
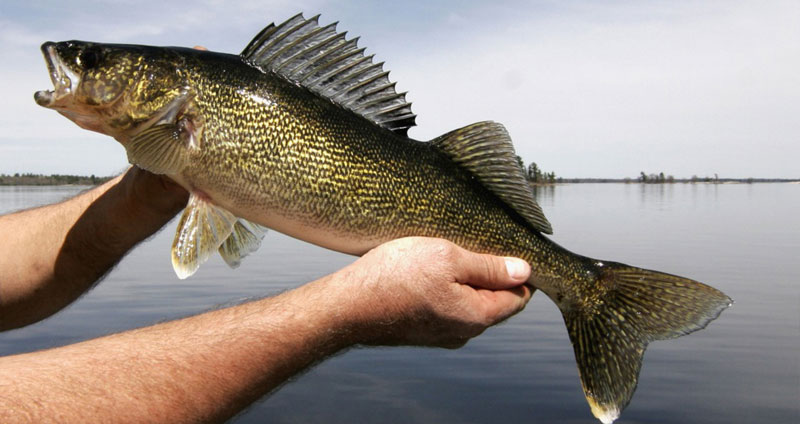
point(304, 134)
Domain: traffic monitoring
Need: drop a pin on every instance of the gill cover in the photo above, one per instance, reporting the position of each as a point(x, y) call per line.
point(114, 89)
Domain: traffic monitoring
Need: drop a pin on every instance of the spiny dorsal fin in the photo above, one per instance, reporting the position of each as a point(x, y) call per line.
point(323, 61)
point(485, 149)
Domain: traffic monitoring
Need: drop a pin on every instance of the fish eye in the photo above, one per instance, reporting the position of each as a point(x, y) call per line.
point(89, 58)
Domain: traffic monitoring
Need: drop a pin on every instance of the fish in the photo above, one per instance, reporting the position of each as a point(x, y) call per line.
point(305, 134)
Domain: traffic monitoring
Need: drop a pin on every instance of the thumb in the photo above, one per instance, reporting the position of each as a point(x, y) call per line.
point(491, 272)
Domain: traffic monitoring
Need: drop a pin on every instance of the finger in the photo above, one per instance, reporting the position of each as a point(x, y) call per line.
point(491, 272)
point(499, 305)
point(200, 48)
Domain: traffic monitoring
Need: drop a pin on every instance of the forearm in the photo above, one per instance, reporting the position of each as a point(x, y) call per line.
point(49, 256)
point(209, 367)
point(200, 369)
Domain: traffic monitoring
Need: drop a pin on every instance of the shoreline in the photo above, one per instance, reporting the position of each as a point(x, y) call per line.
point(80, 180)
point(675, 181)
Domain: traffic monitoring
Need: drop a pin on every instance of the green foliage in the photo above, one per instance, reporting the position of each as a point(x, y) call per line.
point(29, 179)
point(659, 178)
point(536, 175)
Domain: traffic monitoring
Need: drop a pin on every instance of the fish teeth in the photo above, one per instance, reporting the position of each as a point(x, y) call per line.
point(64, 79)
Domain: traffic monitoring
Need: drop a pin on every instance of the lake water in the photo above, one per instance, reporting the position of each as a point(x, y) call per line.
point(743, 368)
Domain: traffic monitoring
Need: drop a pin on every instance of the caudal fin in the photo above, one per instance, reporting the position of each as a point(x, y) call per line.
point(636, 307)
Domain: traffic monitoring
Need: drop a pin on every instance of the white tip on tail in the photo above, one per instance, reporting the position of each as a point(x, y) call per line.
point(606, 414)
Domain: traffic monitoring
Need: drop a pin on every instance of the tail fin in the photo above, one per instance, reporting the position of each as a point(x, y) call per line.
point(637, 307)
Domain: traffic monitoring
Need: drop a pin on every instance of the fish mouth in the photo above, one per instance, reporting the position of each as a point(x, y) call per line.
point(64, 79)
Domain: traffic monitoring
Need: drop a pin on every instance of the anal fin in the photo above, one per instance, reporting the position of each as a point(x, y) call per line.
point(202, 230)
point(244, 239)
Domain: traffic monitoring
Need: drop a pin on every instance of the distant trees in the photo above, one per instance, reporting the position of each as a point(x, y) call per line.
point(519, 161)
point(535, 175)
point(54, 179)
point(659, 178)
point(533, 172)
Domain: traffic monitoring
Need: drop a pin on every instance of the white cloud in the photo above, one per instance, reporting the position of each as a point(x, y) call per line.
point(607, 91)
point(586, 89)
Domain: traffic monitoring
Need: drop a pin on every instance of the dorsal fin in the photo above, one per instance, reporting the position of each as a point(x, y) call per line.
point(323, 61)
point(485, 150)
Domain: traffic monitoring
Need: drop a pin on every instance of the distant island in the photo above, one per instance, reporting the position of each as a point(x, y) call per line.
point(693, 180)
point(49, 180)
point(537, 177)
point(534, 176)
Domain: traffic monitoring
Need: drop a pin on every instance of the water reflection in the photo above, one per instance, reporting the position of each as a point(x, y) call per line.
point(14, 198)
point(544, 194)
point(743, 239)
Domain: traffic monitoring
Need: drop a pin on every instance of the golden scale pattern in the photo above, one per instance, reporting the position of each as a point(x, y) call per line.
point(266, 146)
point(274, 145)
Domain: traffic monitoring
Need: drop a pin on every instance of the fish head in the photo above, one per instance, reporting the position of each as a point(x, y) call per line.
point(110, 88)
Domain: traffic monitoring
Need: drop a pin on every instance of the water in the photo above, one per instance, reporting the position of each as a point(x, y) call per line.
point(744, 368)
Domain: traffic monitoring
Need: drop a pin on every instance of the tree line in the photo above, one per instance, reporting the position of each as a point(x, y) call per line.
point(535, 175)
point(655, 178)
point(661, 178)
point(53, 179)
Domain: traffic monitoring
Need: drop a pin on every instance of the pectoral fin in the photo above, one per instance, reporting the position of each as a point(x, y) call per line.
point(202, 229)
point(160, 149)
point(244, 239)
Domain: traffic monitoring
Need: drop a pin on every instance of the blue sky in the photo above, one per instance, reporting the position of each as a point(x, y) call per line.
point(586, 89)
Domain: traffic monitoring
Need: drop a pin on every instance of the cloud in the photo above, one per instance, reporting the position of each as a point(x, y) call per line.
point(585, 88)
point(591, 91)
point(13, 34)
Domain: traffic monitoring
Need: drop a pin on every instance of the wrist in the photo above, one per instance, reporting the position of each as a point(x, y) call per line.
point(120, 213)
point(362, 312)
point(150, 196)
point(332, 307)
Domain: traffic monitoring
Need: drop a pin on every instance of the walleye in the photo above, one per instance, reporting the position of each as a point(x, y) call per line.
point(304, 134)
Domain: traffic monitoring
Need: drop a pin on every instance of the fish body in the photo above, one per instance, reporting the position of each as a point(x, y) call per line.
point(303, 134)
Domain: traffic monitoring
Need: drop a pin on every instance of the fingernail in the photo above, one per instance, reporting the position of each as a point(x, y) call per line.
point(517, 269)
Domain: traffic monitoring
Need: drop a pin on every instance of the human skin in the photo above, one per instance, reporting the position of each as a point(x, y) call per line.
point(207, 368)
point(51, 255)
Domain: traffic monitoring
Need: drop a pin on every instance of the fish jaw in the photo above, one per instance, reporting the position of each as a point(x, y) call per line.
point(62, 97)
point(63, 77)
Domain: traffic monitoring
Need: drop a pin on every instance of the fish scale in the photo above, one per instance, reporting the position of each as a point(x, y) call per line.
point(303, 134)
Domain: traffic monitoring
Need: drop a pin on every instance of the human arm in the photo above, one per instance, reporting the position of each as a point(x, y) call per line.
point(208, 367)
point(51, 255)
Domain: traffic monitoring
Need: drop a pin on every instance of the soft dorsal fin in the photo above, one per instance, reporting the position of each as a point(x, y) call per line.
point(323, 61)
point(485, 150)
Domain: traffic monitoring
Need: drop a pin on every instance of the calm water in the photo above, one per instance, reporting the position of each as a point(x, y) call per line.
point(744, 368)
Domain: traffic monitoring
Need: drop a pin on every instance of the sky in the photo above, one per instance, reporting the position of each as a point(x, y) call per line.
point(585, 88)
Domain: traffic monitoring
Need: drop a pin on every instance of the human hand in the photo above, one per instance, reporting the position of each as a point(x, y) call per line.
point(146, 192)
point(430, 292)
